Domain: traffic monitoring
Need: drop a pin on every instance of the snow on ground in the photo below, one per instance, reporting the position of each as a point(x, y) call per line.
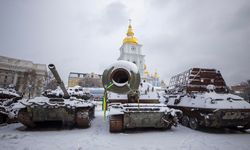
point(97, 137)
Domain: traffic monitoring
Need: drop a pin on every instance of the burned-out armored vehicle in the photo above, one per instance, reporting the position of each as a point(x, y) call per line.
point(205, 101)
point(133, 104)
point(8, 97)
point(52, 108)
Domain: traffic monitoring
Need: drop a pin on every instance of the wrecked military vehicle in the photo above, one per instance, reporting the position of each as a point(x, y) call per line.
point(8, 97)
point(133, 104)
point(76, 91)
point(57, 108)
point(205, 101)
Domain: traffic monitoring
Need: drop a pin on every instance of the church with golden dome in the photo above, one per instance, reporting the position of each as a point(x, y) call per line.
point(131, 51)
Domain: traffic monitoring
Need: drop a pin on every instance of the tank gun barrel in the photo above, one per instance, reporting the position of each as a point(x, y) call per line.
point(58, 80)
point(123, 76)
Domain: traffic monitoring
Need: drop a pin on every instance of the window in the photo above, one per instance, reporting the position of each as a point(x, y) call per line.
point(132, 48)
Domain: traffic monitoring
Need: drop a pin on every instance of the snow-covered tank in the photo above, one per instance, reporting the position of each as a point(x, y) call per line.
point(76, 91)
point(205, 101)
point(7, 98)
point(133, 104)
point(69, 110)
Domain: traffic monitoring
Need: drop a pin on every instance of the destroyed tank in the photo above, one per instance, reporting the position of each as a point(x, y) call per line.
point(76, 91)
point(133, 104)
point(205, 101)
point(65, 109)
point(8, 97)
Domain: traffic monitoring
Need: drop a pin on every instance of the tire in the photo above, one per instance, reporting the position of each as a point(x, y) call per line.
point(185, 121)
point(193, 123)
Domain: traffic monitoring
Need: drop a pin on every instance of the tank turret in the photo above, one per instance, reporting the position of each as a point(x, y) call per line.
point(58, 80)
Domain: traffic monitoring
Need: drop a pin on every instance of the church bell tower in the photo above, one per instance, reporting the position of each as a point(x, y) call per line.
point(131, 50)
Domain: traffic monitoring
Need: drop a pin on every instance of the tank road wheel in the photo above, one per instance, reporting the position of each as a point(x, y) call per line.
point(24, 118)
point(193, 123)
point(82, 119)
point(92, 113)
point(185, 121)
point(116, 123)
point(68, 124)
point(2, 118)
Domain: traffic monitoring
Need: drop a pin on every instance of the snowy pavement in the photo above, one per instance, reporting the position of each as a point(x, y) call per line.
point(97, 137)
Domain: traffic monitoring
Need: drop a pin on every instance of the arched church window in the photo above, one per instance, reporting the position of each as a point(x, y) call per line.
point(133, 48)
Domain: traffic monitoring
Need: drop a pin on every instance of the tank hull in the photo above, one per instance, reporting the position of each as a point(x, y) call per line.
point(33, 117)
point(63, 111)
point(217, 118)
point(144, 120)
point(130, 116)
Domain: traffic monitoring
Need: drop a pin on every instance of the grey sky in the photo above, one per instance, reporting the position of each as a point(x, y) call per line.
point(85, 36)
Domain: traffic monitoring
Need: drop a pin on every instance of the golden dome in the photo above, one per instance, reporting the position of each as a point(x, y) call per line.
point(156, 75)
point(130, 39)
point(146, 73)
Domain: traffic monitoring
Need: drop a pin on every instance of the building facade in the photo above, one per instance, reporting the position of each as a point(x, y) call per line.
point(84, 79)
point(23, 75)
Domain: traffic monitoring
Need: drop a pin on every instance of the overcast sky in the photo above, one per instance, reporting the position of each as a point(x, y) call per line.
point(85, 36)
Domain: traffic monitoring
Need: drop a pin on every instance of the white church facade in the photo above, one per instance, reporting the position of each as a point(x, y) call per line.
point(131, 51)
